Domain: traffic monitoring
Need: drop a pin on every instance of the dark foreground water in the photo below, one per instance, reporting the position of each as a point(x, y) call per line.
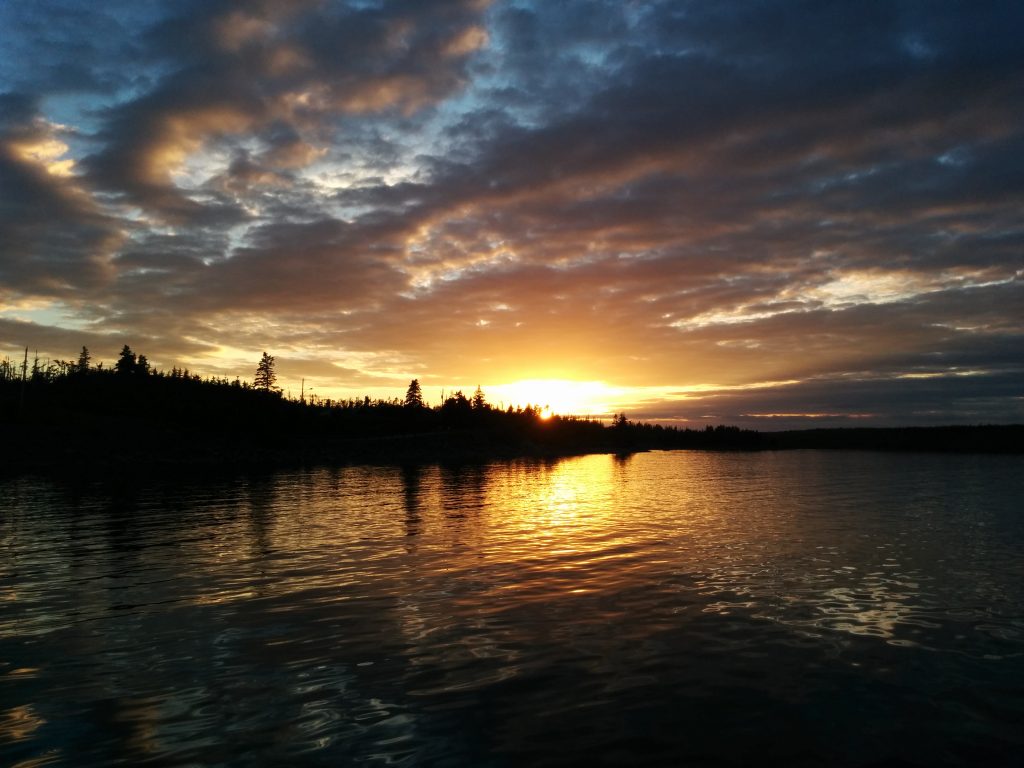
point(665, 609)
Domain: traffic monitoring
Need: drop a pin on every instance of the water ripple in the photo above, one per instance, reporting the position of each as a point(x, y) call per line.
point(654, 609)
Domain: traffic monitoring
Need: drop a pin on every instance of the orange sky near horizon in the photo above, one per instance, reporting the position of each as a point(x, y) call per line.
point(755, 214)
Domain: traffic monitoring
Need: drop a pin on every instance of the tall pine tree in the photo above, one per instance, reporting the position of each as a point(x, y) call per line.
point(266, 378)
point(414, 395)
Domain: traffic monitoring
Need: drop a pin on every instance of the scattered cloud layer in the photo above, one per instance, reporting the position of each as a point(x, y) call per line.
point(770, 213)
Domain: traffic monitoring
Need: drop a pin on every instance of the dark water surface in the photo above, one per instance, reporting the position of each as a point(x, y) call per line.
point(674, 608)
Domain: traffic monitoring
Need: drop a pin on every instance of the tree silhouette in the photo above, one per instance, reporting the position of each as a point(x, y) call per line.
point(479, 401)
point(83, 361)
point(57, 406)
point(126, 361)
point(414, 395)
point(266, 378)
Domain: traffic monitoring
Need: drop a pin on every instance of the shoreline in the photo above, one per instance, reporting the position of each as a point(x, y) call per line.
point(65, 452)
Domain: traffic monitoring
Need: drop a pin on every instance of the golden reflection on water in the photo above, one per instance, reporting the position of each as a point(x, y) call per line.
point(24, 671)
point(50, 757)
point(562, 507)
point(361, 603)
point(19, 723)
point(541, 531)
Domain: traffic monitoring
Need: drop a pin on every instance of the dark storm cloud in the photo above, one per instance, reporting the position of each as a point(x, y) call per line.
point(664, 194)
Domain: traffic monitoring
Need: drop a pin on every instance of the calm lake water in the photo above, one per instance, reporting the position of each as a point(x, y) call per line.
point(669, 608)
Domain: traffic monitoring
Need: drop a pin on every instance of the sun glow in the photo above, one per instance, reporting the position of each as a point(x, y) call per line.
point(561, 396)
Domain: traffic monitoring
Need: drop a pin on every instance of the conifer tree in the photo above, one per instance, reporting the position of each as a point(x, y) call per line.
point(479, 401)
point(414, 395)
point(125, 361)
point(266, 378)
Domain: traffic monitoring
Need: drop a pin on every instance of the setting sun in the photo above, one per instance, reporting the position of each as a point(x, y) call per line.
point(561, 396)
point(394, 215)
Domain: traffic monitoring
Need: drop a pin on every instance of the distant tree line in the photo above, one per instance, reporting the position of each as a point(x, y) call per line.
point(57, 410)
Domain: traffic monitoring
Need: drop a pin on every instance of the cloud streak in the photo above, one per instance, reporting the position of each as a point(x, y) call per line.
point(682, 199)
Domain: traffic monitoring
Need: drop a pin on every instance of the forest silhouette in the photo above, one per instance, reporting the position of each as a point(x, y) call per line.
point(67, 413)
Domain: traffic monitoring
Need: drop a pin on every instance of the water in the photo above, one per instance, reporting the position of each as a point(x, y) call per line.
point(675, 608)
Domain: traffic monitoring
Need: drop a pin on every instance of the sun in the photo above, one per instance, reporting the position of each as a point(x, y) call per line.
point(556, 396)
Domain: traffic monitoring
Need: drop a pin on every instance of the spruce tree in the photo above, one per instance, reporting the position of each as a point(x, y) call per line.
point(126, 362)
point(414, 395)
point(266, 378)
point(83, 361)
point(479, 401)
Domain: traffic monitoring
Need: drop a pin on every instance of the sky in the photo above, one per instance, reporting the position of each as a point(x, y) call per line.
point(773, 214)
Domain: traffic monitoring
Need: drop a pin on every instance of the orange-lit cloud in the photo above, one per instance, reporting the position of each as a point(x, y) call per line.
point(702, 217)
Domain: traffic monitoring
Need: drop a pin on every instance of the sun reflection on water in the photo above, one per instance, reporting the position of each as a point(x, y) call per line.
point(363, 608)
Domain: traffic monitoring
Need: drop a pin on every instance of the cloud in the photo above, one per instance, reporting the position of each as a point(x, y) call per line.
point(669, 196)
point(55, 238)
point(866, 400)
point(249, 74)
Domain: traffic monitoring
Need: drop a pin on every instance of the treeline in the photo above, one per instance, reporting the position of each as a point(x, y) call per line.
point(66, 411)
point(69, 412)
point(982, 438)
